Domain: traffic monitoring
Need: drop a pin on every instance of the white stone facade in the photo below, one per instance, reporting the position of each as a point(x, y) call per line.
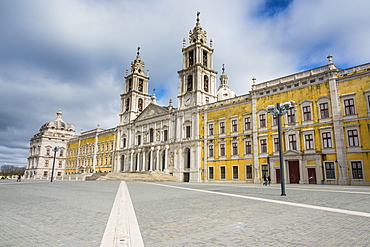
point(53, 134)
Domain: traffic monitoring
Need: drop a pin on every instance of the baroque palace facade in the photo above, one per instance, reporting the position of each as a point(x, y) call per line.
point(214, 135)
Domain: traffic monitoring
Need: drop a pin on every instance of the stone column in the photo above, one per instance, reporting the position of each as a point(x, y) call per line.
point(143, 162)
point(157, 159)
point(132, 161)
point(138, 160)
point(166, 159)
point(151, 159)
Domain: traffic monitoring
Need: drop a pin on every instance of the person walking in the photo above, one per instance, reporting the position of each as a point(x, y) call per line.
point(269, 180)
point(264, 179)
point(19, 178)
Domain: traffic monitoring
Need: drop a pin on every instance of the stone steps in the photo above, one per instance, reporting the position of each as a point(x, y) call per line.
point(139, 176)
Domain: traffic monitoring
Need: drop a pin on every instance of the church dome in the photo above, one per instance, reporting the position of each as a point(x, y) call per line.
point(57, 124)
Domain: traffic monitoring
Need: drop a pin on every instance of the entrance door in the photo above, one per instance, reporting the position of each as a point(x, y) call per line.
point(294, 172)
point(186, 177)
point(278, 180)
point(311, 175)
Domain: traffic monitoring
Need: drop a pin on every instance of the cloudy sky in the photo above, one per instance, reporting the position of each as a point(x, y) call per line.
point(72, 54)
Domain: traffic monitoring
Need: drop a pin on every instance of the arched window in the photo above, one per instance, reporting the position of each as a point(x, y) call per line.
point(141, 82)
point(190, 83)
point(129, 84)
point(206, 83)
point(140, 104)
point(127, 104)
point(151, 135)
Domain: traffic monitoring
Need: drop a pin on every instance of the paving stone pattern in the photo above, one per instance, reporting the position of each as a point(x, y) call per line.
point(61, 213)
point(176, 217)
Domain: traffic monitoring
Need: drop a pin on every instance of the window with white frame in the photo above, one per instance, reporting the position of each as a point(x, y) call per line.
point(262, 120)
point(292, 142)
point(247, 123)
point(222, 150)
point(210, 172)
point(306, 110)
point(210, 129)
point(349, 107)
point(263, 143)
point(222, 127)
point(46, 163)
point(235, 148)
point(234, 125)
point(274, 120)
point(248, 171)
point(352, 137)
point(187, 131)
point(308, 141)
point(210, 150)
point(330, 170)
point(235, 172)
point(357, 172)
point(324, 110)
point(276, 144)
point(165, 135)
point(291, 115)
point(222, 172)
point(248, 147)
point(326, 140)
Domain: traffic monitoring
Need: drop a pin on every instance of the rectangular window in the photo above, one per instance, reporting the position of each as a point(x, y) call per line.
point(139, 140)
point(326, 140)
point(291, 115)
point(60, 164)
point(61, 153)
point(210, 129)
point(45, 173)
point(353, 138)
point(292, 142)
point(330, 170)
point(356, 169)
point(235, 148)
point(306, 113)
point(46, 163)
point(262, 120)
point(263, 145)
point(222, 149)
point(248, 172)
point(223, 172)
point(210, 172)
point(234, 125)
point(308, 138)
point(324, 110)
point(248, 147)
point(274, 120)
point(235, 172)
point(165, 135)
point(151, 135)
point(276, 144)
point(124, 142)
point(222, 127)
point(349, 107)
point(59, 174)
point(368, 100)
point(210, 151)
point(247, 123)
point(187, 131)
point(265, 170)
point(48, 151)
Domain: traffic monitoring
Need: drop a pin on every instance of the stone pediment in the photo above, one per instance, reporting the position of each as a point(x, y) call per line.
point(152, 110)
point(292, 153)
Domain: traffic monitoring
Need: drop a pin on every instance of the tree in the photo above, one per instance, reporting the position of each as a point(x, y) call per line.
point(9, 170)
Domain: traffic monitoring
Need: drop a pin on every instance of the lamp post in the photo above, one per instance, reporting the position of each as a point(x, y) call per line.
point(55, 149)
point(278, 111)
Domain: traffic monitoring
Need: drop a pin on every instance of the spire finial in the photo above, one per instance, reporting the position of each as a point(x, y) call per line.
point(138, 50)
point(198, 13)
point(223, 68)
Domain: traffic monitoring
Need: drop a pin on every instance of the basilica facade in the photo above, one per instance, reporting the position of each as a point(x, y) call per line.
point(215, 135)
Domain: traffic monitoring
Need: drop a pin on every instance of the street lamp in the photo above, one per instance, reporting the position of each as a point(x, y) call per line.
point(55, 149)
point(279, 110)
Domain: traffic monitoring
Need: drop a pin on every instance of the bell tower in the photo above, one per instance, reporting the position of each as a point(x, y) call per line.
point(197, 79)
point(135, 97)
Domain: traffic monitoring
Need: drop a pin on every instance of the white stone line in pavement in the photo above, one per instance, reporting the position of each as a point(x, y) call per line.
point(122, 228)
point(294, 188)
point(335, 210)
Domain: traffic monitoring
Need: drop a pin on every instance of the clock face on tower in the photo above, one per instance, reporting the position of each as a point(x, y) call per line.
point(188, 100)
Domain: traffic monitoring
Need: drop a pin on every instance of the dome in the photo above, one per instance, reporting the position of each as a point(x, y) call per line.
point(225, 93)
point(58, 124)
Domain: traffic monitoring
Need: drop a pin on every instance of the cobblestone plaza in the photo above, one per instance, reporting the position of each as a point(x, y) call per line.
point(76, 213)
